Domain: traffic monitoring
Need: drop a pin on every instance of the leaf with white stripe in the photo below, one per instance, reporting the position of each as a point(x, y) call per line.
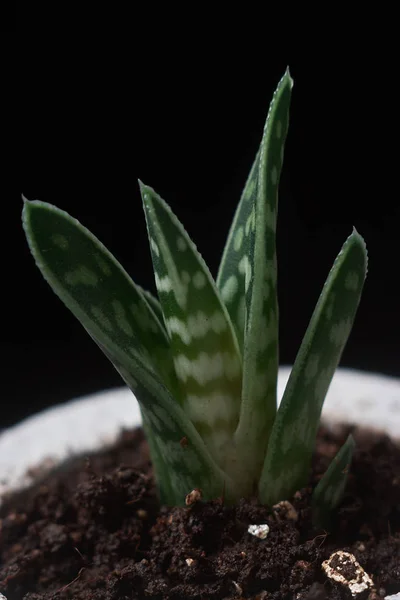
point(203, 342)
point(86, 275)
point(231, 274)
point(292, 441)
point(97, 290)
point(253, 261)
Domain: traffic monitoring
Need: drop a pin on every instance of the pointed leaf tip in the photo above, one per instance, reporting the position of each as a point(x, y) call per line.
point(26, 207)
point(358, 238)
point(288, 75)
point(146, 192)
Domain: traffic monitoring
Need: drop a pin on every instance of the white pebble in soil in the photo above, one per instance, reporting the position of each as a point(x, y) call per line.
point(344, 568)
point(260, 531)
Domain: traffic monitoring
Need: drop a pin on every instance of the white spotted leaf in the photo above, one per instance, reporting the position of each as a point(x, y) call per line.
point(287, 464)
point(231, 278)
point(250, 258)
point(203, 342)
point(85, 276)
point(330, 488)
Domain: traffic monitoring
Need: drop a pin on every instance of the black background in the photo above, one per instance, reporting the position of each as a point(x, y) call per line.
point(7, 18)
point(89, 123)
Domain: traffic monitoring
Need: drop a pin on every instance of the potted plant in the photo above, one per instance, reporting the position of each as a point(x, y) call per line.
point(251, 496)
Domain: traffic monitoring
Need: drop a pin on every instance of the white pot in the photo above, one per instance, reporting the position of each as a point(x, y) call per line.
point(91, 422)
point(94, 421)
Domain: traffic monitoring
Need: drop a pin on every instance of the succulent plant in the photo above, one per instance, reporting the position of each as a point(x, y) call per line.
point(202, 359)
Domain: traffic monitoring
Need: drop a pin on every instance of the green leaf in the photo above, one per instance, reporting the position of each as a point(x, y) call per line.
point(167, 495)
point(250, 261)
point(292, 441)
point(154, 304)
point(203, 342)
point(94, 286)
point(329, 491)
point(231, 274)
point(90, 281)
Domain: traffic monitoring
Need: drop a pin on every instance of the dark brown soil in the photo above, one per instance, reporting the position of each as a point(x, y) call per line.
point(95, 531)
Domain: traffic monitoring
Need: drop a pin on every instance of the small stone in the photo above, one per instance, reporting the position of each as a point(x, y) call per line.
point(261, 531)
point(393, 597)
point(285, 510)
point(193, 496)
point(360, 546)
point(345, 569)
point(141, 513)
point(189, 561)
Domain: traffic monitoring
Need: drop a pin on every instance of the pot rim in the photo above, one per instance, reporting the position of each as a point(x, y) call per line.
point(90, 422)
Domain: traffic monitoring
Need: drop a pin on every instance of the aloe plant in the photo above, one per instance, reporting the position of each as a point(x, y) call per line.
point(202, 359)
